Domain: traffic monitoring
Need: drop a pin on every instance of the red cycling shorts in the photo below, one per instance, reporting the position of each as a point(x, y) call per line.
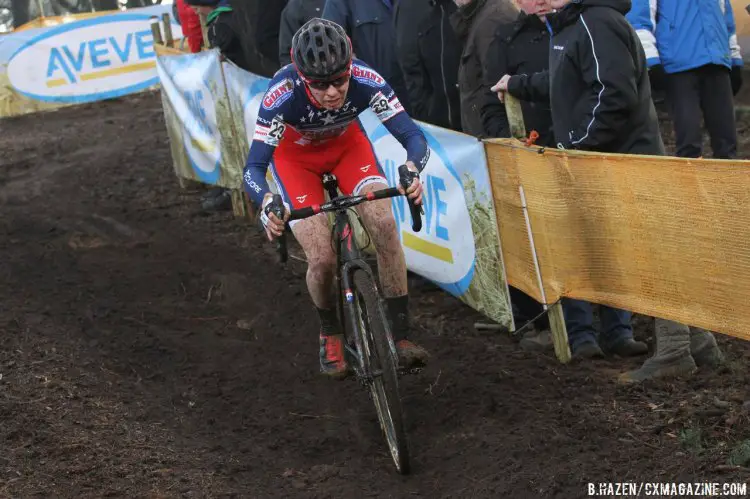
point(298, 168)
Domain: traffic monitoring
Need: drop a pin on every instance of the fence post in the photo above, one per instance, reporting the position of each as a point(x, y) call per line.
point(156, 31)
point(168, 39)
point(555, 311)
point(204, 31)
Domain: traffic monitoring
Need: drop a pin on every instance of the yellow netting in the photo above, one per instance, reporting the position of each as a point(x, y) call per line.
point(661, 236)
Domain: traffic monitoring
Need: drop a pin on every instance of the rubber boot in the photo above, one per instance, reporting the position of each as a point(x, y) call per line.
point(672, 356)
point(704, 349)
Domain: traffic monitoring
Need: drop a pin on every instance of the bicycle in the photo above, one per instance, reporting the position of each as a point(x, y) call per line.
point(370, 349)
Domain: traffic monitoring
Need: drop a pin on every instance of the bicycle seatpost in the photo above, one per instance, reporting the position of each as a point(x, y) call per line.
point(331, 185)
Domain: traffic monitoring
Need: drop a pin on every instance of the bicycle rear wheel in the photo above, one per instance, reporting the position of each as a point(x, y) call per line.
point(378, 356)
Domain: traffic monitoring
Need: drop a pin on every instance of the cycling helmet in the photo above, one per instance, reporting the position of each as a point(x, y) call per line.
point(321, 50)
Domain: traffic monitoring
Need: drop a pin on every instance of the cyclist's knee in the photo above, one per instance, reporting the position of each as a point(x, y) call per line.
point(321, 263)
point(383, 228)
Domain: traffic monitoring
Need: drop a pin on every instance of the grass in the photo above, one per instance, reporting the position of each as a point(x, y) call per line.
point(487, 292)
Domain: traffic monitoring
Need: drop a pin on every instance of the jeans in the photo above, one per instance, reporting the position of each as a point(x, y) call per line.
point(579, 320)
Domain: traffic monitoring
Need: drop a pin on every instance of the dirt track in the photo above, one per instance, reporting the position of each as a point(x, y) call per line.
point(124, 372)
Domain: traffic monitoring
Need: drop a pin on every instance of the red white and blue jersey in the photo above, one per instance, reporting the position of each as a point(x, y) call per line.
point(288, 112)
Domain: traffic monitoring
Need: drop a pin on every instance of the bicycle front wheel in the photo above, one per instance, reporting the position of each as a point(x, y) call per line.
point(380, 361)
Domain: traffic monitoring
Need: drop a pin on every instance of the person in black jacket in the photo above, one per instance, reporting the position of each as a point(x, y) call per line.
point(222, 28)
point(600, 97)
point(295, 14)
point(429, 56)
point(597, 82)
point(518, 47)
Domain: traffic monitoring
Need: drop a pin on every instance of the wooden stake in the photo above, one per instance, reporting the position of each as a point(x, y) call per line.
point(156, 31)
point(515, 117)
point(168, 39)
point(204, 31)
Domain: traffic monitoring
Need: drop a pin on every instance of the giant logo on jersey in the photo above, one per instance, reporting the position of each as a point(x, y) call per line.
point(367, 76)
point(278, 94)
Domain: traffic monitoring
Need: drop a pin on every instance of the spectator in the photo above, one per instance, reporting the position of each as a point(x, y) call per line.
point(369, 24)
point(222, 28)
point(429, 56)
point(518, 47)
point(475, 22)
point(600, 99)
point(295, 14)
point(692, 52)
point(190, 24)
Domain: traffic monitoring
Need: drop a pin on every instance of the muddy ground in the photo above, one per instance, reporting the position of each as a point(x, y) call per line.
point(125, 374)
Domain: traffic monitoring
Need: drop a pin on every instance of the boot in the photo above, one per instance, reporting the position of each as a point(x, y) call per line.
point(672, 357)
point(704, 349)
point(537, 341)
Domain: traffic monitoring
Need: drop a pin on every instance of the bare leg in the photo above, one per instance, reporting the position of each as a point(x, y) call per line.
point(314, 236)
point(381, 226)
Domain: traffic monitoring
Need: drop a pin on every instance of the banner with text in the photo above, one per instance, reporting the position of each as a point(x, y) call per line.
point(89, 59)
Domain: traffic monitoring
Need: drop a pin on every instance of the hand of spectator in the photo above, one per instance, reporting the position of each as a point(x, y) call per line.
point(736, 77)
point(501, 87)
point(657, 76)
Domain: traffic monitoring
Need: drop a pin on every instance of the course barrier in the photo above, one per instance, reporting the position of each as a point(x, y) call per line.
point(77, 59)
point(210, 109)
point(661, 236)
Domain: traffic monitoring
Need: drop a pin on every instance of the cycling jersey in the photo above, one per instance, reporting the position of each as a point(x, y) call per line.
point(316, 140)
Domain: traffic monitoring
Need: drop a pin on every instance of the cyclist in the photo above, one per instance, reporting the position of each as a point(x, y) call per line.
point(308, 125)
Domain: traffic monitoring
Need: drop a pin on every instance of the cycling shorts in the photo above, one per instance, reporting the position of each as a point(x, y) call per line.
point(298, 167)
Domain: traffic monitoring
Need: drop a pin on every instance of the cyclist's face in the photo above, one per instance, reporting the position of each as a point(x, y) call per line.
point(333, 96)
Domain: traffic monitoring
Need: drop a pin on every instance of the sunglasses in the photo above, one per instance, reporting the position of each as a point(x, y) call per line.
point(323, 85)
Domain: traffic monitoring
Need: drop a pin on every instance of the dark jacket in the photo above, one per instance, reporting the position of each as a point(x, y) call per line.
point(597, 81)
point(474, 25)
point(223, 33)
point(295, 14)
point(369, 24)
point(429, 57)
point(520, 47)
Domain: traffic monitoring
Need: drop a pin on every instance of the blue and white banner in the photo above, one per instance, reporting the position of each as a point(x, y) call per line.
point(92, 58)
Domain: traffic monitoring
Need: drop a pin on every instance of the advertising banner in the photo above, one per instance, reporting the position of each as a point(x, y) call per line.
point(86, 60)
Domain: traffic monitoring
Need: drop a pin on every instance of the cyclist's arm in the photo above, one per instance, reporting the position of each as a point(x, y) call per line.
point(391, 113)
point(269, 130)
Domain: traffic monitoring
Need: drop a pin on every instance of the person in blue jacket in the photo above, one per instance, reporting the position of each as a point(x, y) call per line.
point(693, 55)
point(369, 24)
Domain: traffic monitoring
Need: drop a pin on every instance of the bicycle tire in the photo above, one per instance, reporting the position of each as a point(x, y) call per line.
point(384, 388)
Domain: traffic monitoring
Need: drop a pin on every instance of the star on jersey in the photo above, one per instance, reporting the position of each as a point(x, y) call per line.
point(328, 119)
point(298, 82)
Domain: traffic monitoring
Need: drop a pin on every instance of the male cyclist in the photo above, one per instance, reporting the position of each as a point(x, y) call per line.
point(308, 125)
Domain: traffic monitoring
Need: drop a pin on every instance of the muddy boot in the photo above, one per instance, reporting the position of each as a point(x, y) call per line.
point(537, 341)
point(587, 350)
point(672, 357)
point(628, 347)
point(704, 349)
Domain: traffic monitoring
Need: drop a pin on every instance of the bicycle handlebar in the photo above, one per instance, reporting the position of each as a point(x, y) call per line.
point(405, 179)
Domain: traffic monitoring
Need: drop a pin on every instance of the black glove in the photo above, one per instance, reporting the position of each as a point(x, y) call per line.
point(736, 76)
point(658, 77)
